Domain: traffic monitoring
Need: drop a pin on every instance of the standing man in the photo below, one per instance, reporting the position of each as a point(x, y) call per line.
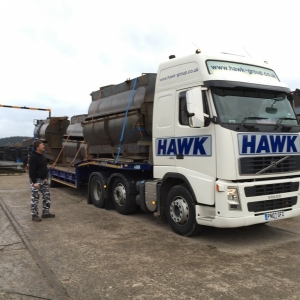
point(38, 180)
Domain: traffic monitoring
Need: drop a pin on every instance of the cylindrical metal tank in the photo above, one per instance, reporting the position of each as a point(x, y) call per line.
point(37, 127)
point(102, 128)
point(73, 140)
point(51, 132)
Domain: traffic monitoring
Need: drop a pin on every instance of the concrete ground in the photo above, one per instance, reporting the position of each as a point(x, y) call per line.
point(92, 253)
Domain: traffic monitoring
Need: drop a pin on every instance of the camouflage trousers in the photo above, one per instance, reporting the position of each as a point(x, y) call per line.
point(35, 196)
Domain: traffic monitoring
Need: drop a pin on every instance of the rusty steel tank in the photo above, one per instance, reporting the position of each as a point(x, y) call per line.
point(51, 132)
point(106, 120)
point(73, 143)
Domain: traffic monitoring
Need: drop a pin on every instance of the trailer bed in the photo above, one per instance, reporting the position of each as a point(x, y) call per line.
point(79, 174)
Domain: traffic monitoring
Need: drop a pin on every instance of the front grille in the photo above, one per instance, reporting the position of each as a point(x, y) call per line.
point(252, 165)
point(269, 189)
point(269, 205)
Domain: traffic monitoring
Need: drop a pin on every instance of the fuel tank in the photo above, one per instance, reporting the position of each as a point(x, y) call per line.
point(119, 119)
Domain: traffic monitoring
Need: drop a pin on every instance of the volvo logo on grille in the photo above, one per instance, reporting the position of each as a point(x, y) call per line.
point(273, 164)
point(274, 197)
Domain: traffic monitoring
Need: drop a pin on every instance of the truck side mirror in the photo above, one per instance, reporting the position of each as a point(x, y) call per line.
point(195, 107)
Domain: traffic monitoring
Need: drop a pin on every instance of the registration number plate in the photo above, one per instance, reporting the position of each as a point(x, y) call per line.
point(274, 215)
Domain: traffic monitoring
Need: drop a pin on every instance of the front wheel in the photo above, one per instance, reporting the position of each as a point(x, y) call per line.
point(181, 214)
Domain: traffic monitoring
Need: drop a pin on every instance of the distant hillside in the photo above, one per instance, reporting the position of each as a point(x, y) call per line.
point(13, 140)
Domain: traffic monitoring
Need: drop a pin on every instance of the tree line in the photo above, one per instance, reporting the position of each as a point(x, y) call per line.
point(13, 141)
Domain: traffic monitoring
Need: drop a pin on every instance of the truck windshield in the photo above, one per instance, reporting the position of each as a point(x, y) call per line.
point(253, 106)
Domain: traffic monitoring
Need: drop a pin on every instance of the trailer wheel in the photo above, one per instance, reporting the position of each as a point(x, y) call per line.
point(180, 209)
point(124, 203)
point(97, 191)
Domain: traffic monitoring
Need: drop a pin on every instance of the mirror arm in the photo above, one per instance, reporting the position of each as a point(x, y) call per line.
point(215, 120)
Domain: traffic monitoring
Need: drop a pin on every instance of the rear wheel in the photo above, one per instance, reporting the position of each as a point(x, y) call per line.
point(124, 202)
point(97, 191)
point(181, 214)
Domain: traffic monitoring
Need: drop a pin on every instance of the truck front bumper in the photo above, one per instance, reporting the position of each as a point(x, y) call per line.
point(229, 222)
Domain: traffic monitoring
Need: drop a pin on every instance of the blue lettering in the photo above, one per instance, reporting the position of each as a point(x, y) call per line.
point(263, 145)
point(267, 143)
point(172, 147)
point(277, 143)
point(184, 145)
point(291, 144)
point(249, 144)
point(198, 146)
point(162, 146)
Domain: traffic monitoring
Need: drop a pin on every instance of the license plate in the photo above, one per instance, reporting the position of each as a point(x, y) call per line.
point(274, 215)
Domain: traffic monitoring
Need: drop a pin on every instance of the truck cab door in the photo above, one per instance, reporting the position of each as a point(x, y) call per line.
point(195, 134)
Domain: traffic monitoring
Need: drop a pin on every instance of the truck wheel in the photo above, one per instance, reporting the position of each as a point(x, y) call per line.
point(97, 191)
point(123, 202)
point(180, 209)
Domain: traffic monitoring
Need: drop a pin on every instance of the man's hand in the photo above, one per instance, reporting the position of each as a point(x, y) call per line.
point(36, 185)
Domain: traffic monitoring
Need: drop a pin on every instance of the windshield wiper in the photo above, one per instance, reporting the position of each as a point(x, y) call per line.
point(278, 123)
point(249, 118)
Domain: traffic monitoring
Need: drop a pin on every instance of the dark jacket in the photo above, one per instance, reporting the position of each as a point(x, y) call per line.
point(37, 167)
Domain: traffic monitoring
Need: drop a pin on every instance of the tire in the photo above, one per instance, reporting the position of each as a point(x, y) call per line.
point(123, 202)
point(180, 210)
point(97, 191)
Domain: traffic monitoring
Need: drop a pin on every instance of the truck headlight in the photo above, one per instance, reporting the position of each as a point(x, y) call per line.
point(233, 199)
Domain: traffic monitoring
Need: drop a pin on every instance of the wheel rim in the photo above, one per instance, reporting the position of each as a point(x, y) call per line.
point(97, 190)
point(179, 211)
point(120, 194)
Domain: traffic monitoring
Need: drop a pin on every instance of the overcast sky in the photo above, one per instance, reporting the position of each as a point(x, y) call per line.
point(54, 53)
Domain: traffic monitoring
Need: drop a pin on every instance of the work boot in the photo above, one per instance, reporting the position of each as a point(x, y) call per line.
point(36, 219)
point(48, 215)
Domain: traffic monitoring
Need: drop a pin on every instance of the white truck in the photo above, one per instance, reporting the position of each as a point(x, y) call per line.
point(223, 147)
